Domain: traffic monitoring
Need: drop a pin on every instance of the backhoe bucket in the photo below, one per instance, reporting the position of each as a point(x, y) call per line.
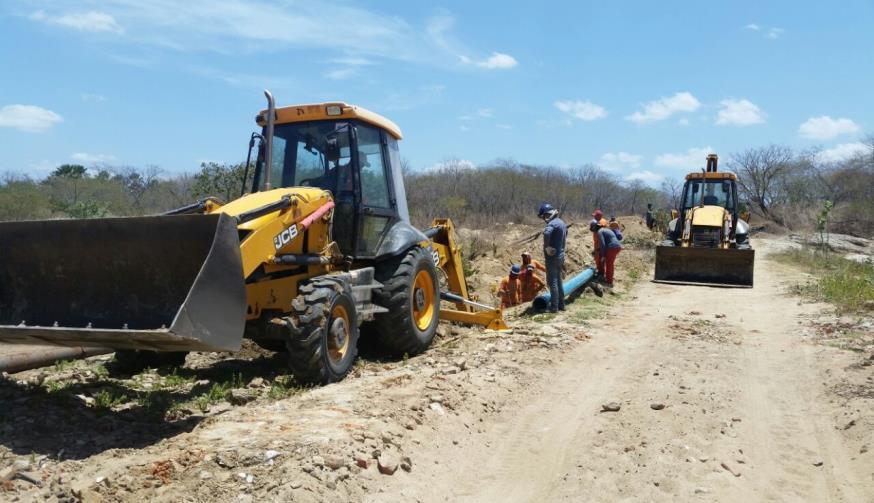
point(704, 266)
point(166, 283)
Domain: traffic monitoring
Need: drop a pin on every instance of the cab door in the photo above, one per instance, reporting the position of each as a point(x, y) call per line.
point(378, 209)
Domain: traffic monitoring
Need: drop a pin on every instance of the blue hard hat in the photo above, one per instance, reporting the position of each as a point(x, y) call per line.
point(544, 209)
point(516, 269)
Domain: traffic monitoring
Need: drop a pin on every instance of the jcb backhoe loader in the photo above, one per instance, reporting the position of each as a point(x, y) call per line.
point(320, 244)
point(707, 240)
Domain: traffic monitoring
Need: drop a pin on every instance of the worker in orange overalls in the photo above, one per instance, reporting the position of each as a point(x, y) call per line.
point(527, 260)
point(510, 290)
point(531, 283)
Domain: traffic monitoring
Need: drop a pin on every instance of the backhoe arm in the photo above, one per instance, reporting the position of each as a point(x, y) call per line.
point(447, 257)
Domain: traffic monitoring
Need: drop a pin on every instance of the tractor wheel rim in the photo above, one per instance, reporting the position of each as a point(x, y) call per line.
point(338, 334)
point(423, 300)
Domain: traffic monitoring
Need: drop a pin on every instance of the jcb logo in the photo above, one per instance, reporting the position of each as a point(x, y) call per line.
point(436, 257)
point(284, 237)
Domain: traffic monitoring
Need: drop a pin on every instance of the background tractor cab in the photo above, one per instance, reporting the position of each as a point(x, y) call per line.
point(705, 195)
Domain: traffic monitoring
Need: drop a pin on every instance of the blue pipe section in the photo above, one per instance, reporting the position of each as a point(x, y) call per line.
point(570, 286)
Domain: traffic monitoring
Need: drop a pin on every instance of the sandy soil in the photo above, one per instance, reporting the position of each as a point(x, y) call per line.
point(723, 395)
point(750, 412)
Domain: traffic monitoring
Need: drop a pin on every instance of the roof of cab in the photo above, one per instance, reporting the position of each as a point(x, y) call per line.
point(319, 111)
point(718, 175)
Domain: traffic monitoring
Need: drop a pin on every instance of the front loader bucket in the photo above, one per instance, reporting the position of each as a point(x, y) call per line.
point(167, 283)
point(704, 266)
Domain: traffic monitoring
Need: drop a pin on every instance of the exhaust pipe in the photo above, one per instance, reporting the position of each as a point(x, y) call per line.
point(268, 155)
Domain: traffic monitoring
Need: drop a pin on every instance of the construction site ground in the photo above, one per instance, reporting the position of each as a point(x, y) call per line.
point(653, 393)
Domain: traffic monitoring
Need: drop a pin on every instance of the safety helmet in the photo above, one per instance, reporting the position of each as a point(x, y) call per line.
point(515, 270)
point(545, 209)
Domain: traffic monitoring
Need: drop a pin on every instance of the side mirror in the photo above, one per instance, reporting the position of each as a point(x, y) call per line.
point(674, 214)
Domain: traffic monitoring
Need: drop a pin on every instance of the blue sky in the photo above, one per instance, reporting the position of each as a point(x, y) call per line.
point(643, 89)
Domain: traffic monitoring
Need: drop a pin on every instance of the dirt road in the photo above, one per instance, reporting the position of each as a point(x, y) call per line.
point(747, 414)
point(723, 395)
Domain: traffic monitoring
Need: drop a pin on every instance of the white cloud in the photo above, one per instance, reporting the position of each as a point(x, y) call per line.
point(28, 118)
point(482, 113)
point(826, 128)
point(693, 158)
point(348, 67)
point(96, 98)
point(619, 160)
point(843, 152)
point(497, 61)
point(645, 176)
point(412, 98)
point(341, 73)
point(582, 110)
point(504, 126)
point(87, 158)
point(739, 113)
point(93, 21)
point(352, 61)
point(774, 33)
point(244, 26)
point(663, 108)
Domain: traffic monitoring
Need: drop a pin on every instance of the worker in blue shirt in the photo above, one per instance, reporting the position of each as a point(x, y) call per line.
point(554, 238)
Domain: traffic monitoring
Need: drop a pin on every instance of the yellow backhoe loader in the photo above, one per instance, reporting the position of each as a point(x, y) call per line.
point(708, 239)
point(320, 244)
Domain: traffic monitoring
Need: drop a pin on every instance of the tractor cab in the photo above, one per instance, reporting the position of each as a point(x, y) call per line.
point(708, 191)
point(351, 152)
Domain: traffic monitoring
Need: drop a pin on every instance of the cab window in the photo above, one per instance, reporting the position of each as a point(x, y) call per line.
point(374, 183)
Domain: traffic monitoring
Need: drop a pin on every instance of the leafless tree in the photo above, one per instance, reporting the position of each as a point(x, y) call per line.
point(673, 190)
point(761, 175)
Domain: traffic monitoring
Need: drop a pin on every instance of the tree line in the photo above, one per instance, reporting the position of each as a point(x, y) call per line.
point(793, 188)
point(779, 184)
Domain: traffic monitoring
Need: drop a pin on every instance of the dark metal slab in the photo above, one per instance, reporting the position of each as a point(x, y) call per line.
point(171, 283)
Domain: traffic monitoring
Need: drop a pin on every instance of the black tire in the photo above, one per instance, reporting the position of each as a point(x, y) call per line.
point(397, 329)
point(135, 360)
point(315, 354)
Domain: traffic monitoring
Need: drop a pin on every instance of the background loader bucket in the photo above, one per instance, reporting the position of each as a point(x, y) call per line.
point(704, 266)
point(167, 283)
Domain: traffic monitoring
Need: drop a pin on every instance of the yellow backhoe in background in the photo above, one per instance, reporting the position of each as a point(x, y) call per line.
point(321, 244)
point(707, 241)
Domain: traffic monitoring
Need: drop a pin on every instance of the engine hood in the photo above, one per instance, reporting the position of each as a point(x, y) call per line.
point(710, 216)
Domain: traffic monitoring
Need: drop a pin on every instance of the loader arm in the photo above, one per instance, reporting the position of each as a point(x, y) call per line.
point(447, 258)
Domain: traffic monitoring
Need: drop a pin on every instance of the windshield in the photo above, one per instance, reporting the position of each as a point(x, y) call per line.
point(313, 154)
point(716, 193)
